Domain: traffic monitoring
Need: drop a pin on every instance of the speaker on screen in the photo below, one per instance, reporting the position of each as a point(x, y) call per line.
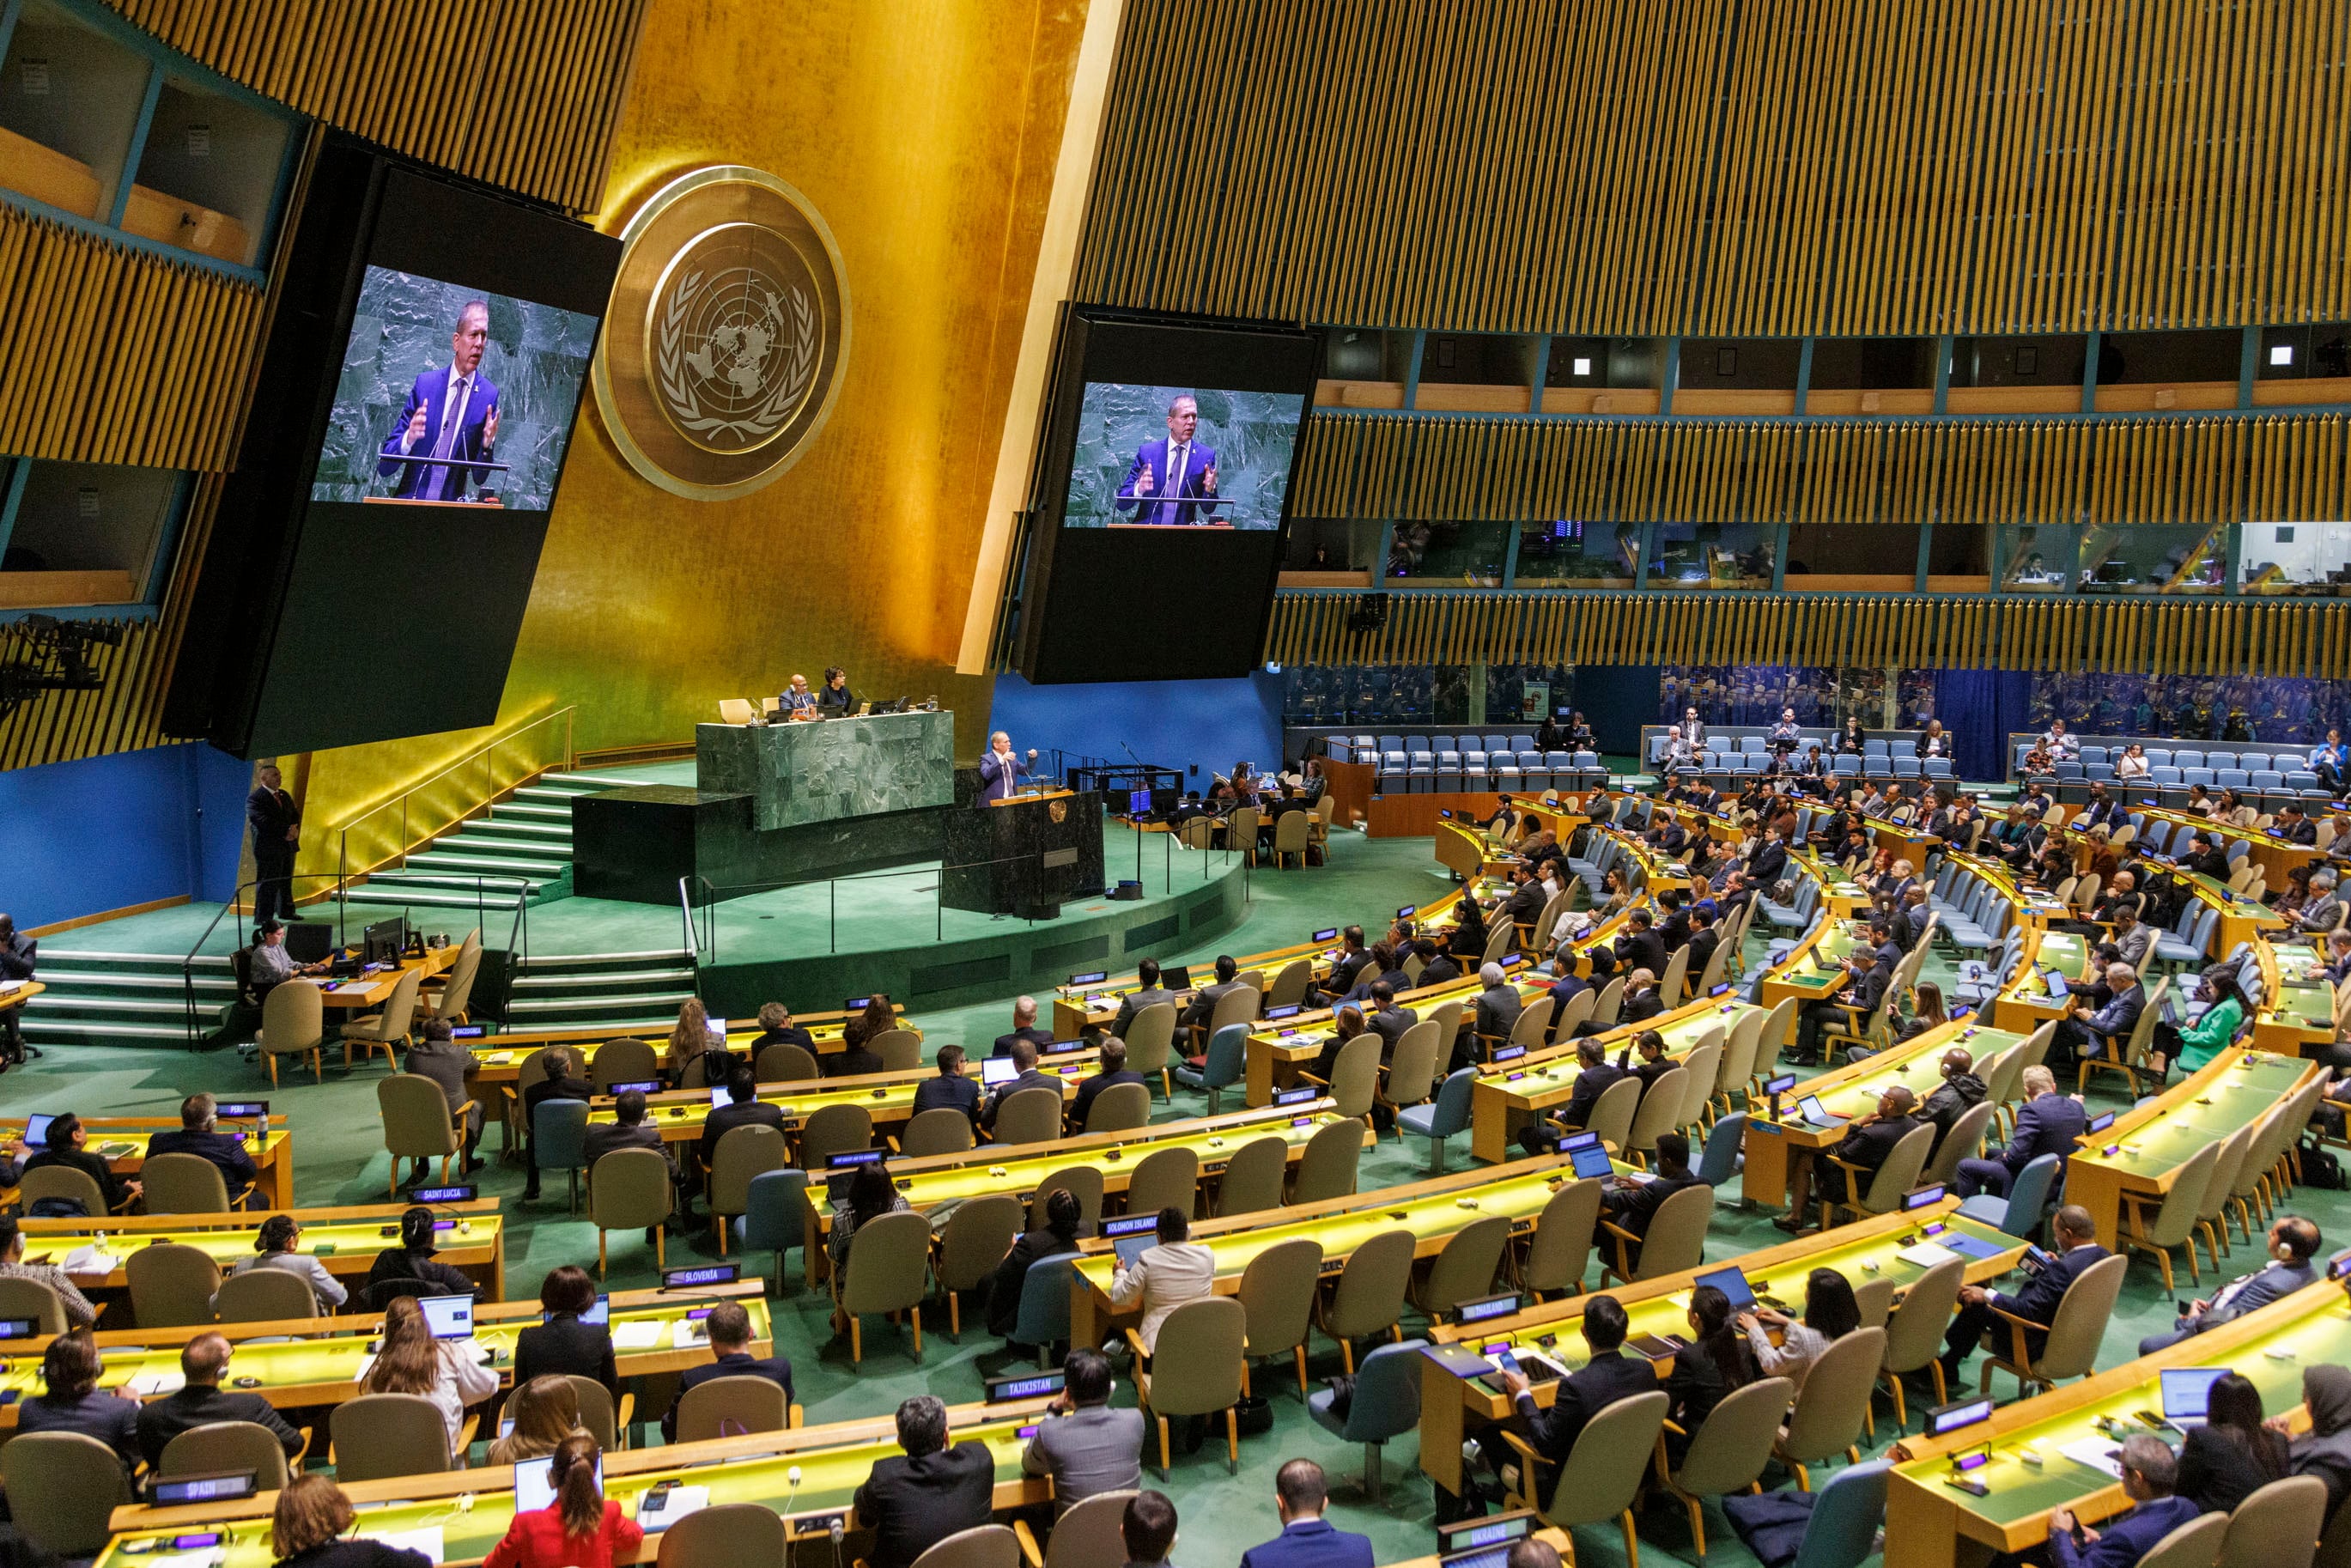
point(371, 555)
point(1160, 495)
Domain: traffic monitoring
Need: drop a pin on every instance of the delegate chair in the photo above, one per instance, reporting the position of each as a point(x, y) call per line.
point(1561, 1248)
point(65, 1182)
point(1729, 1450)
point(1198, 1370)
point(1166, 1178)
point(293, 1023)
point(888, 1271)
point(183, 1184)
point(623, 1062)
point(784, 1062)
point(2278, 1526)
point(1834, 1405)
point(1084, 1183)
point(1120, 1108)
point(941, 1130)
point(1087, 1535)
point(389, 1027)
point(1043, 1319)
point(743, 1155)
point(2071, 1347)
point(1276, 1292)
point(773, 1222)
point(609, 1427)
point(265, 1296)
point(1887, 1186)
point(1439, 1119)
point(379, 1435)
point(23, 1298)
point(63, 1488)
point(1221, 1067)
point(1386, 1403)
point(1675, 1238)
point(1464, 1269)
point(834, 1130)
point(2173, 1222)
point(1252, 1178)
point(559, 1141)
point(742, 1532)
point(982, 1546)
point(750, 1403)
point(900, 1049)
point(1369, 1297)
point(1843, 1529)
point(172, 1286)
point(629, 1189)
point(1913, 1335)
point(218, 1445)
point(1354, 1077)
point(1150, 1043)
point(418, 1124)
point(1603, 1473)
point(972, 1244)
point(1327, 1170)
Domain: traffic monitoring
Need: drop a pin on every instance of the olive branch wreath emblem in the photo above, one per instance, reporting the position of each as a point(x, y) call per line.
point(686, 407)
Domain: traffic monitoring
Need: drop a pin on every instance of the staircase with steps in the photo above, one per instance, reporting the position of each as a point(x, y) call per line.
point(97, 998)
point(631, 993)
point(522, 850)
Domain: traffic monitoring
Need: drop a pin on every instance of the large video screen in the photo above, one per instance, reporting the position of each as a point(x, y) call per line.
point(450, 394)
point(372, 555)
point(1181, 456)
point(1164, 471)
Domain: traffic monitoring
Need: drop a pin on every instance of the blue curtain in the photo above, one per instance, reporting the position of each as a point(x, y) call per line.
point(1980, 708)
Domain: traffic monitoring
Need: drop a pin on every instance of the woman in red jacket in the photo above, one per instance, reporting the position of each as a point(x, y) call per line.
point(579, 1529)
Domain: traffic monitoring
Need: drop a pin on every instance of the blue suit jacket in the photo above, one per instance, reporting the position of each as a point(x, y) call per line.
point(2037, 1300)
point(2046, 1124)
point(2238, 1297)
point(2123, 1541)
point(431, 390)
point(1311, 1543)
point(1160, 506)
point(998, 776)
point(2120, 1016)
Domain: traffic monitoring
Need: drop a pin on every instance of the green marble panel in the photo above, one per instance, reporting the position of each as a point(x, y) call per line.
point(824, 772)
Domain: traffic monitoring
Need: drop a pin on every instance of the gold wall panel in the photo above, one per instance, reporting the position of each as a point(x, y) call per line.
point(2210, 637)
point(109, 355)
point(522, 94)
point(1729, 166)
point(929, 144)
point(2227, 468)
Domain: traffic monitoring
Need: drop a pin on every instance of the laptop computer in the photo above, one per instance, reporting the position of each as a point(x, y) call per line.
point(995, 1070)
point(1731, 1282)
point(2186, 1391)
point(2057, 988)
point(1810, 1109)
point(449, 1317)
point(1176, 977)
point(1592, 1160)
point(533, 1489)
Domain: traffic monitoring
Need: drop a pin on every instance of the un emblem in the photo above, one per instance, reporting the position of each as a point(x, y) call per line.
point(729, 330)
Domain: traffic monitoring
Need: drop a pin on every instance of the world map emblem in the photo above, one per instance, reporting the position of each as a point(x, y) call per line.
point(728, 333)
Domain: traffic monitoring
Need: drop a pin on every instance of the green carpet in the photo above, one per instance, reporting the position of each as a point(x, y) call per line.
point(340, 1161)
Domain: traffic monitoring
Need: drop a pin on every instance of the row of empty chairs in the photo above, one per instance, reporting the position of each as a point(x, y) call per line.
point(1370, 748)
point(1432, 772)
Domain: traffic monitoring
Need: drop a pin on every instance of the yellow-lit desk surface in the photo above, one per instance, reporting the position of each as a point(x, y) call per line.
point(1453, 1406)
point(17, 996)
point(324, 1368)
point(1810, 971)
point(834, 1459)
point(1280, 1049)
point(1909, 844)
point(2033, 907)
point(1776, 1147)
point(122, 1141)
point(888, 1097)
point(372, 988)
point(2151, 1141)
point(1845, 897)
point(1932, 1525)
point(1433, 1210)
point(1507, 1096)
point(1021, 1168)
point(2300, 1015)
point(2024, 1003)
point(346, 1240)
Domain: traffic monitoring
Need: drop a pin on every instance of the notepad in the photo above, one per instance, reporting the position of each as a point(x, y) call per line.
point(2100, 1453)
point(1926, 1254)
point(687, 1333)
point(90, 1261)
point(643, 1333)
point(428, 1539)
point(148, 1384)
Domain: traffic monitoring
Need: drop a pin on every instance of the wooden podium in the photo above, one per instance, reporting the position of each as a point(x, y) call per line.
point(1025, 855)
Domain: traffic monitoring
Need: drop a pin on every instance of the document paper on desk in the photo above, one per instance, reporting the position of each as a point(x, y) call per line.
point(90, 1261)
point(2100, 1453)
point(428, 1539)
point(147, 1385)
point(643, 1333)
point(1926, 1254)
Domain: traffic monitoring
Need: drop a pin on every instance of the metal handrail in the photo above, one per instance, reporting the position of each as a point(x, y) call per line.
point(409, 839)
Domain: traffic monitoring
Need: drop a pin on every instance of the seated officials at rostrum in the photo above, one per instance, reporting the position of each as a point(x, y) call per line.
point(836, 701)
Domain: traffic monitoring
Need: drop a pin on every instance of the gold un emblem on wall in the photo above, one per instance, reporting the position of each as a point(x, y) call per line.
point(723, 351)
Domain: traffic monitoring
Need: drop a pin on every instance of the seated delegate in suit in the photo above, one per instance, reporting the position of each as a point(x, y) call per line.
point(1609, 1375)
point(777, 1027)
point(1204, 1000)
point(2149, 1471)
point(836, 700)
point(69, 1400)
point(1113, 1071)
point(1635, 1203)
point(452, 414)
point(1300, 1493)
point(562, 1345)
point(2047, 1123)
point(1024, 1027)
point(853, 1060)
point(950, 1089)
point(743, 1108)
point(413, 1260)
point(1164, 1276)
point(1168, 479)
point(1146, 993)
point(2074, 1240)
point(1024, 1058)
point(1595, 1075)
point(199, 1402)
point(273, 1247)
point(1865, 1144)
point(437, 1055)
point(2093, 1032)
point(730, 1356)
point(66, 1146)
point(1058, 1229)
point(556, 1083)
point(2233, 1454)
point(1086, 1446)
point(199, 1133)
point(913, 1502)
point(2292, 1241)
point(628, 1131)
point(797, 701)
point(1389, 1018)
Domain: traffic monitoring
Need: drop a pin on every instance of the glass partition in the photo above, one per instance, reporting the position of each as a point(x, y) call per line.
point(2311, 560)
point(2036, 560)
point(1448, 554)
point(2161, 558)
point(1712, 554)
point(1577, 555)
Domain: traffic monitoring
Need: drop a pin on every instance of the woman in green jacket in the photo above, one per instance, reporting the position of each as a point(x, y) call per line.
point(2209, 1035)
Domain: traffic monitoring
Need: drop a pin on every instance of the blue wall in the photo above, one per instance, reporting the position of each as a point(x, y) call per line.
point(129, 828)
point(1171, 724)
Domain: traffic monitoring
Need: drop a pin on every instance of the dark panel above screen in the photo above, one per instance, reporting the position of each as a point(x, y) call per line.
point(374, 550)
point(1159, 497)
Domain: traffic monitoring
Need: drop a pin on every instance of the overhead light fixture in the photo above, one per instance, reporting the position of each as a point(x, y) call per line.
point(2281, 355)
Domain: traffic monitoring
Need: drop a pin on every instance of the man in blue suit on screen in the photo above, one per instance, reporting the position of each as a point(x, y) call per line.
point(1164, 473)
point(451, 416)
